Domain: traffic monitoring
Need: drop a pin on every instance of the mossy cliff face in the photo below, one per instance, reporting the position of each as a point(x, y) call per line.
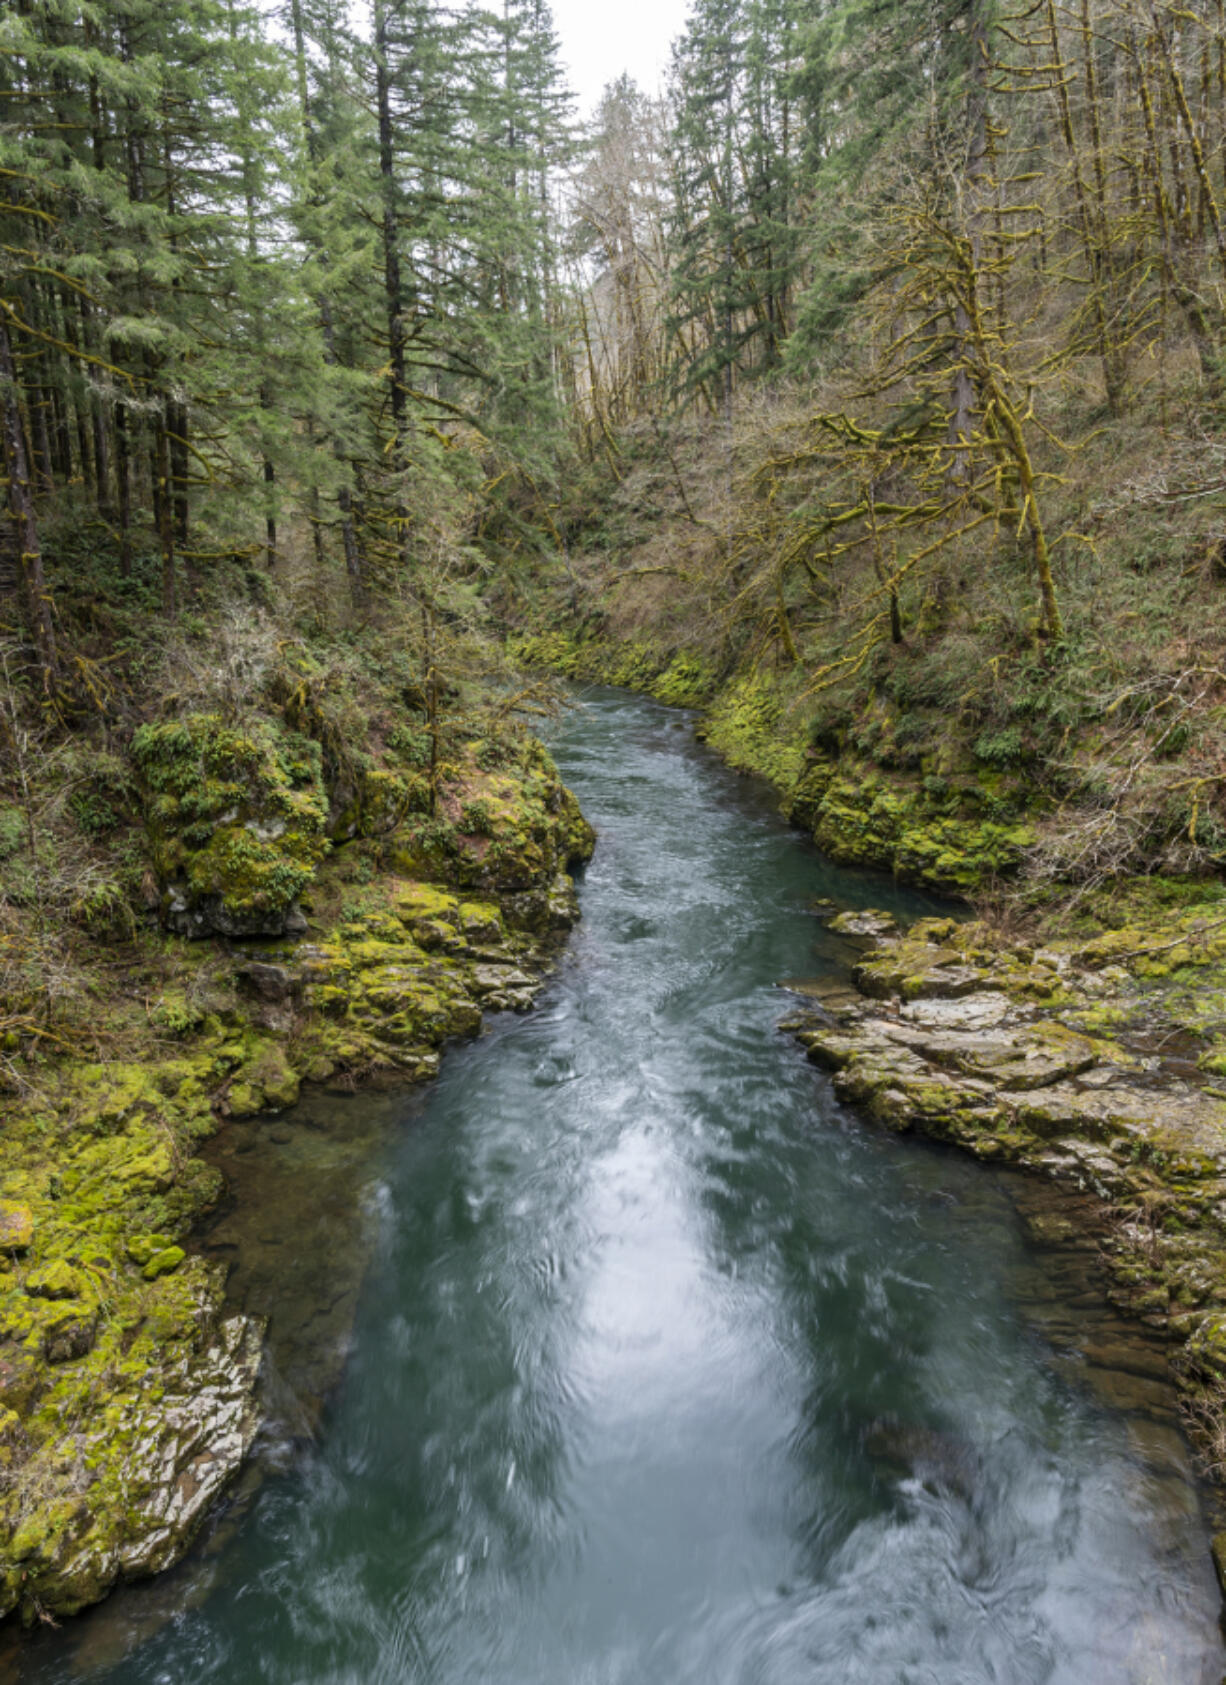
point(952, 828)
point(949, 832)
point(1044, 1057)
point(128, 1395)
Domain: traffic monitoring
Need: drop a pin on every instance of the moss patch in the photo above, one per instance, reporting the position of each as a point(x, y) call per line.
point(237, 821)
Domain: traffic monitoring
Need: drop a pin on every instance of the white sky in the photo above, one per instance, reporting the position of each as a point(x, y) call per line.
point(602, 38)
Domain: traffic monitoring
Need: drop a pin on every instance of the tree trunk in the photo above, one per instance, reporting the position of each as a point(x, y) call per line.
point(97, 424)
point(180, 470)
point(392, 276)
point(123, 487)
point(164, 504)
point(353, 556)
point(21, 504)
point(961, 421)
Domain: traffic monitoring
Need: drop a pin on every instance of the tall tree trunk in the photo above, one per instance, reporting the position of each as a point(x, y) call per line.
point(180, 471)
point(1195, 145)
point(1203, 330)
point(1093, 230)
point(164, 505)
point(392, 273)
point(80, 422)
point(270, 492)
point(97, 424)
point(21, 505)
point(123, 487)
point(349, 537)
point(77, 396)
point(965, 398)
point(353, 555)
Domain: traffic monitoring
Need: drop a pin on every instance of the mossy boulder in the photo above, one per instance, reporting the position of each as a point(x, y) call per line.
point(237, 822)
point(497, 831)
point(16, 1226)
point(371, 801)
point(70, 1335)
point(57, 1280)
point(163, 1262)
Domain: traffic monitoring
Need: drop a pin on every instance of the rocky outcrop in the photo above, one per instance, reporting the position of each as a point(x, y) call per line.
point(163, 1453)
point(998, 1048)
point(236, 821)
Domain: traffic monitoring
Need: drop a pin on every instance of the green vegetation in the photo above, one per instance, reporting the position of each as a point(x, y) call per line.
point(911, 443)
point(866, 395)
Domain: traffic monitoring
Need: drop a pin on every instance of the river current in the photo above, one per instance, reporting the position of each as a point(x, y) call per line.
point(667, 1370)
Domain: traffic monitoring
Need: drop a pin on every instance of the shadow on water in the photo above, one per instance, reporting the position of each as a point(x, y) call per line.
point(658, 1366)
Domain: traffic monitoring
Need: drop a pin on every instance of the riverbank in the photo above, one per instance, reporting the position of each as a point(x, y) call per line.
point(128, 1395)
point(1092, 1062)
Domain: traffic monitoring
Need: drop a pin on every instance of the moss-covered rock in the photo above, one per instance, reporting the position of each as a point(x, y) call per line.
point(16, 1226)
point(497, 831)
point(237, 822)
point(57, 1280)
point(163, 1262)
point(126, 1394)
point(999, 1047)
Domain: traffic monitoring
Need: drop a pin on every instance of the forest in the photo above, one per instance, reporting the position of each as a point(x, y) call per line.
point(864, 391)
point(886, 347)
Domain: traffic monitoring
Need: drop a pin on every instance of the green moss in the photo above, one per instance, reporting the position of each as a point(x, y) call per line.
point(163, 1262)
point(680, 680)
point(861, 818)
point(752, 727)
point(687, 682)
point(176, 1014)
point(1213, 1060)
point(16, 1226)
point(100, 1296)
point(236, 819)
point(57, 1280)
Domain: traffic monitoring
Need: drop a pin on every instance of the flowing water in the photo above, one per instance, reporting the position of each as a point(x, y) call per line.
point(666, 1370)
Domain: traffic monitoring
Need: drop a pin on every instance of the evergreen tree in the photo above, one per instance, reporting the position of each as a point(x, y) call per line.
point(735, 236)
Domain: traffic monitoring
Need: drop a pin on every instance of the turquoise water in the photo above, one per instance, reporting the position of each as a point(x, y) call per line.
point(665, 1368)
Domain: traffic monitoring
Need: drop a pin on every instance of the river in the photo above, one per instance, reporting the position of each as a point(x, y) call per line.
point(667, 1370)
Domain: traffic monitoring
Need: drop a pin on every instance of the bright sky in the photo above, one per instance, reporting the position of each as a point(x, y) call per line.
point(602, 38)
